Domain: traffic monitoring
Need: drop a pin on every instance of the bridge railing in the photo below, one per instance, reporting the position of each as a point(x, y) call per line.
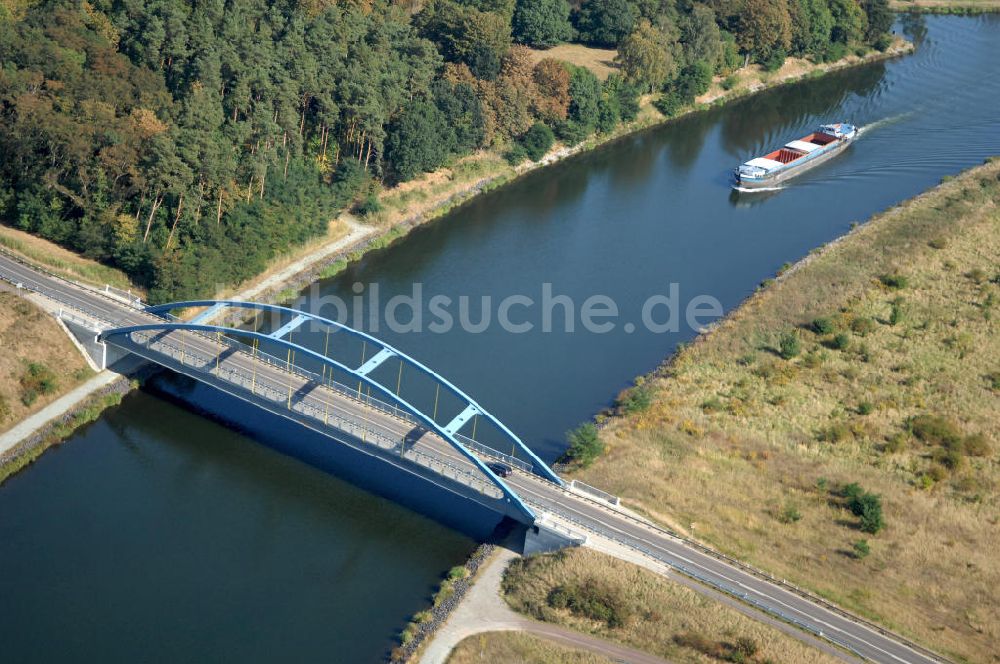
point(280, 394)
point(87, 323)
point(476, 446)
point(366, 399)
point(125, 297)
point(593, 491)
point(669, 561)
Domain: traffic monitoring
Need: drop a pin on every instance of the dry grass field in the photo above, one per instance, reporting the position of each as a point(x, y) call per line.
point(429, 191)
point(890, 378)
point(518, 648)
point(37, 361)
point(643, 610)
point(62, 261)
point(945, 6)
point(601, 61)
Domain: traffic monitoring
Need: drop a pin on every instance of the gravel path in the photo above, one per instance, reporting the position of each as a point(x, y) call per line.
point(483, 610)
point(355, 234)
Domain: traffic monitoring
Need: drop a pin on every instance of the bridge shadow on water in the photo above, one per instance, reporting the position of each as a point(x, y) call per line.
point(366, 472)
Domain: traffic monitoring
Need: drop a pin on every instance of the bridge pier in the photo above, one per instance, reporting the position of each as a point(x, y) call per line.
point(84, 335)
point(546, 535)
point(344, 458)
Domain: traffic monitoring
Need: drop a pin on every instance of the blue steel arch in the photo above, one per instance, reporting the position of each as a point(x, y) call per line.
point(361, 373)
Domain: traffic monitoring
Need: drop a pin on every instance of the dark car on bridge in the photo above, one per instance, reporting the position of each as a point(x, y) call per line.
point(500, 469)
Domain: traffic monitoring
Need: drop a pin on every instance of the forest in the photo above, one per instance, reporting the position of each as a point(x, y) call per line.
point(188, 142)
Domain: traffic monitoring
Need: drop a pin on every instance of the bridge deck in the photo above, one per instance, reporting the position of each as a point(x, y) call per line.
point(789, 604)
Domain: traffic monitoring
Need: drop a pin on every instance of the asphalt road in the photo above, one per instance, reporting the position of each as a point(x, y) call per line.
point(543, 496)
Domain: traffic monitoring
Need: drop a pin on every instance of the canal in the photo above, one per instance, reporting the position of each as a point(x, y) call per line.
point(156, 533)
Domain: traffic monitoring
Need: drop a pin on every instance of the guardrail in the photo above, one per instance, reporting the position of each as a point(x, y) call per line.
point(476, 446)
point(86, 323)
point(281, 394)
point(125, 296)
point(749, 569)
point(360, 396)
point(350, 392)
point(805, 594)
point(666, 559)
point(108, 291)
point(595, 492)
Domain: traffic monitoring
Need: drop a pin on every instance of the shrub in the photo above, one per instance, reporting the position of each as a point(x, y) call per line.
point(862, 326)
point(896, 443)
point(584, 445)
point(898, 312)
point(775, 60)
point(935, 430)
point(814, 359)
point(746, 646)
point(842, 341)
point(865, 408)
point(835, 433)
point(861, 549)
point(865, 353)
point(369, 205)
point(669, 103)
point(976, 445)
point(823, 326)
point(37, 379)
point(591, 599)
point(835, 51)
point(713, 405)
point(693, 80)
point(994, 380)
point(789, 513)
point(537, 141)
point(883, 42)
point(894, 281)
point(700, 643)
point(851, 491)
point(636, 400)
point(949, 457)
point(729, 82)
point(515, 154)
point(872, 520)
point(789, 345)
point(408, 634)
point(977, 275)
point(867, 506)
point(28, 396)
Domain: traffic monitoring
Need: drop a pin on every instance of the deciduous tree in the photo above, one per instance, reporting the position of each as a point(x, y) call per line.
point(542, 23)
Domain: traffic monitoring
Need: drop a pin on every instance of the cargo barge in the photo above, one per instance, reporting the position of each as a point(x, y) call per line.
point(795, 157)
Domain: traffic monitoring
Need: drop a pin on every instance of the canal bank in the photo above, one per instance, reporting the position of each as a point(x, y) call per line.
point(326, 261)
point(577, 220)
point(868, 362)
point(324, 264)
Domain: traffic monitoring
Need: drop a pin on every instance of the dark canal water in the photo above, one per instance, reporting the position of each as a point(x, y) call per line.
point(158, 534)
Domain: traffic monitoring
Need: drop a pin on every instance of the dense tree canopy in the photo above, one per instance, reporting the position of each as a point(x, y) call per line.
point(189, 142)
point(646, 57)
point(765, 28)
point(606, 22)
point(542, 23)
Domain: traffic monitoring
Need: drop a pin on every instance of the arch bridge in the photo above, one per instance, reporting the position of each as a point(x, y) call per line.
point(235, 359)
